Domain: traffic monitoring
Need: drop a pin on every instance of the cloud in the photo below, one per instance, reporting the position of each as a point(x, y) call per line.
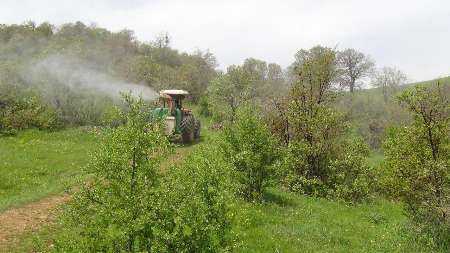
point(412, 35)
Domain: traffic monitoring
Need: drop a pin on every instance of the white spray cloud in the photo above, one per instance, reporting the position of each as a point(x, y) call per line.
point(77, 74)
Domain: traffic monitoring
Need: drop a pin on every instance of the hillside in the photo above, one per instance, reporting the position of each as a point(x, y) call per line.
point(371, 115)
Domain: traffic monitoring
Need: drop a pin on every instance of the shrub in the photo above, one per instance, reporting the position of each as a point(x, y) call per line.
point(297, 175)
point(195, 205)
point(249, 145)
point(351, 178)
point(130, 206)
point(115, 211)
point(418, 159)
point(204, 107)
point(23, 113)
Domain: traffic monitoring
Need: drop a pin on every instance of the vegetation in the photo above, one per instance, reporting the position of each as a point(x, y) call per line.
point(304, 155)
point(320, 161)
point(128, 206)
point(418, 158)
point(36, 164)
point(354, 66)
point(71, 75)
point(247, 142)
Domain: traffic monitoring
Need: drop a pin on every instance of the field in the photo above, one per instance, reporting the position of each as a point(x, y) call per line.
point(36, 164)
point(285, 222)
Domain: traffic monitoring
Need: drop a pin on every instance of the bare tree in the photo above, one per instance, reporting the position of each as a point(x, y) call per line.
point(388, 79)
point(354, 66)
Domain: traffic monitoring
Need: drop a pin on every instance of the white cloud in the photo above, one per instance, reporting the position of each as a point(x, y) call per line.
point(412, 35)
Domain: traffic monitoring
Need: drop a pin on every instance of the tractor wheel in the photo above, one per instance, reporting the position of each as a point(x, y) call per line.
point(187, 129)
point(197, 129)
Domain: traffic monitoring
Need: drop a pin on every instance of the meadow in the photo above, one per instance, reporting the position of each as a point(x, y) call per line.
point(36, 164)
point(283, 222)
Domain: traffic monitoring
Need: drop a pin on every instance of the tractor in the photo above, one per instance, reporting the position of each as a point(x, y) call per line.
point(179, 121)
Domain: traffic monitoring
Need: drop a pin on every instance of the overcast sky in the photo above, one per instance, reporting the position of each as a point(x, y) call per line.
point(409, 34)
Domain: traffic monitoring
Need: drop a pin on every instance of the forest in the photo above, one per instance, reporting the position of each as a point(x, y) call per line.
point(330, 154)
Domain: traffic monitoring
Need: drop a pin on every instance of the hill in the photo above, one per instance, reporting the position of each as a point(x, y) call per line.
point(371, 115)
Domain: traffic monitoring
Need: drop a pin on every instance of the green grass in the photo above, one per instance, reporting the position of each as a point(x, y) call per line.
point(375, 159)
point(36, 164)
point(42, 163)
point(291, 223)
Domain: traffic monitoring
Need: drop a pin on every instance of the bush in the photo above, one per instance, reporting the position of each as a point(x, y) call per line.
point(129, 206)
point(204, 107)
point(248, 143)
point(418, 160)
point(348, 177)
point(195, 205)
point(297, 176)
point(352, 177)
point(114, 211)
point(23, 113)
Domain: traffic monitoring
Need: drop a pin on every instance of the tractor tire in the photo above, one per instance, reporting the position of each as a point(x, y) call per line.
point(187, 129)
point(197, 129)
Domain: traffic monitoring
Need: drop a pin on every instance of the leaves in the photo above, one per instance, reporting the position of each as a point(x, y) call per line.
point(418, 159)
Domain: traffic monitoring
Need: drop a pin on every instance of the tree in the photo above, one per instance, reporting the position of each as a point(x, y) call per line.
point(354, 66)
point(418, 157)
point(315, 125)
point(228, 91)
point(162, 40)
point(30, 53)
point(320, 158)
point(388, 79)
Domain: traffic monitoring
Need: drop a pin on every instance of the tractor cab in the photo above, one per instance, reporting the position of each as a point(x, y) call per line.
point(179, 120)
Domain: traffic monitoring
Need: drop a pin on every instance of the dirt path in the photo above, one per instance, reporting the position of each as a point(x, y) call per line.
point(16, 221)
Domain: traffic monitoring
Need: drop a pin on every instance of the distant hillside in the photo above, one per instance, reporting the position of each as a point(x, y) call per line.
point(443, 80)
point(377, 91)
point(371, 115)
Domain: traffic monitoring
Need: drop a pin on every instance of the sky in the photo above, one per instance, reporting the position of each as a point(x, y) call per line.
point(411, 35)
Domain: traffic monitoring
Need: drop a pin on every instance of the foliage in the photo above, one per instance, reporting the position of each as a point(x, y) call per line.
point(354, 66)
point(228, 91)
point(315, 126)
point(23, 113)
point(128, 205)
point(65, 66)
point(418, 159)
point(114, 210)
point(370, 116)
point(352, 177)
point(320, 160)
point(276, 114)
point(249, 145)
point(195, 205)
point(388, 79)
point(254, 81)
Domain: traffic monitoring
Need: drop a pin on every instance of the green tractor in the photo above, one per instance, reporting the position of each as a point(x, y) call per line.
point(179, 121)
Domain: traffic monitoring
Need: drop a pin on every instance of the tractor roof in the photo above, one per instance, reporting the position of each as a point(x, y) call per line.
point(169, 93)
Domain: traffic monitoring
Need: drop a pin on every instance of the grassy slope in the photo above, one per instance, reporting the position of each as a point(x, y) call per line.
point(293, 223)
point(36, 164)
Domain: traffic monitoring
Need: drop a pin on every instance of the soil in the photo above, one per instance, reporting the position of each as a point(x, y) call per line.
point(16, 221)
